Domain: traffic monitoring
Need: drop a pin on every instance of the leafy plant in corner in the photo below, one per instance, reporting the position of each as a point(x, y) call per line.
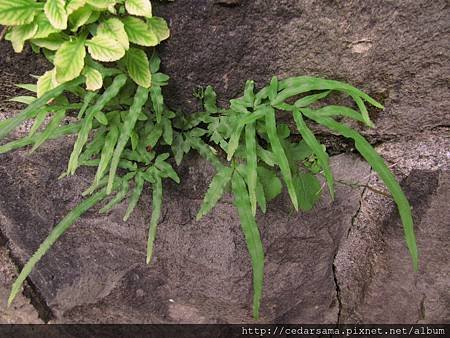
point(261, 157)
point(110, 90)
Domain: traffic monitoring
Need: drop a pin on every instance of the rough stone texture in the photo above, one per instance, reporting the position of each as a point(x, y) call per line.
point(397, 51)
point(201, 271)
point(375, 276)
point(343, 262)
point(21, 312)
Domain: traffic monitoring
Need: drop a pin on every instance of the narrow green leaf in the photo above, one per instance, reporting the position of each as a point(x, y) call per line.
point(302, 84)
point(363, 110)
point(111, 92)
point(135, 195)
point(252, 238)
point(205, 151)
point(177, 148)
point(167, 131)
point(378, 165)
point(210, 100)
point(252, 175)
point(23, 99)
point(166, 170)
point(333, 110)
point(94, 147)
point(260, 197)
point(52, 126)
point(155, 62)
point(157, 101)
point(310, 99)
point(40, 118)
point(140, 99)
point(34, 107)
point(153, 137)
point(119, 197)
point(107, 152)
point(259, 113)
point(273, 89)
point(233, 144)
point(317, 148)
point(134, 137)
point(266, 156)
point(249, 96)
point(28, 86)
point(25, 141)
point(56, 232)
point(215, 190)
point(156, 213)
point(282, 160)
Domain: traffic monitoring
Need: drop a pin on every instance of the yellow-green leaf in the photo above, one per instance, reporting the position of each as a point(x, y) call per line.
point(56, 13)
point(45, 28)
point(101, 4)
point(69, 60)
point(139, 7)
point(138, 67)
point(17, 12)
point(46, 82)
point(104, 48)
point(115, 28)
point(19, 34)
point(94, 79)
point(73, 5)
point(79, 17)
point(139, 33)
point(159, 27)
point(53, 42)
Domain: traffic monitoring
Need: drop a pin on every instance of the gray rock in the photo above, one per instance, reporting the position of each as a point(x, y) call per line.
point(201, 271)
point(374, 273)
point(344, 261)
point(397, 51)
point(21, 312)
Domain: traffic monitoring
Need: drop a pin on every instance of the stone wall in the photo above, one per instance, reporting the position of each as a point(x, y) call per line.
point(344, 261)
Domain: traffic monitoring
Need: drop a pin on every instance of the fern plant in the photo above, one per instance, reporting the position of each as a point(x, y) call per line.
point(261, 158)
point(104, 80)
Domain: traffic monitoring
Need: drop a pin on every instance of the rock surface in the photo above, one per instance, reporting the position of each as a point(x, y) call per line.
point(201, 271)
point(376, 280)
point(344, 261)
point(397, 51)
point(21, 312)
